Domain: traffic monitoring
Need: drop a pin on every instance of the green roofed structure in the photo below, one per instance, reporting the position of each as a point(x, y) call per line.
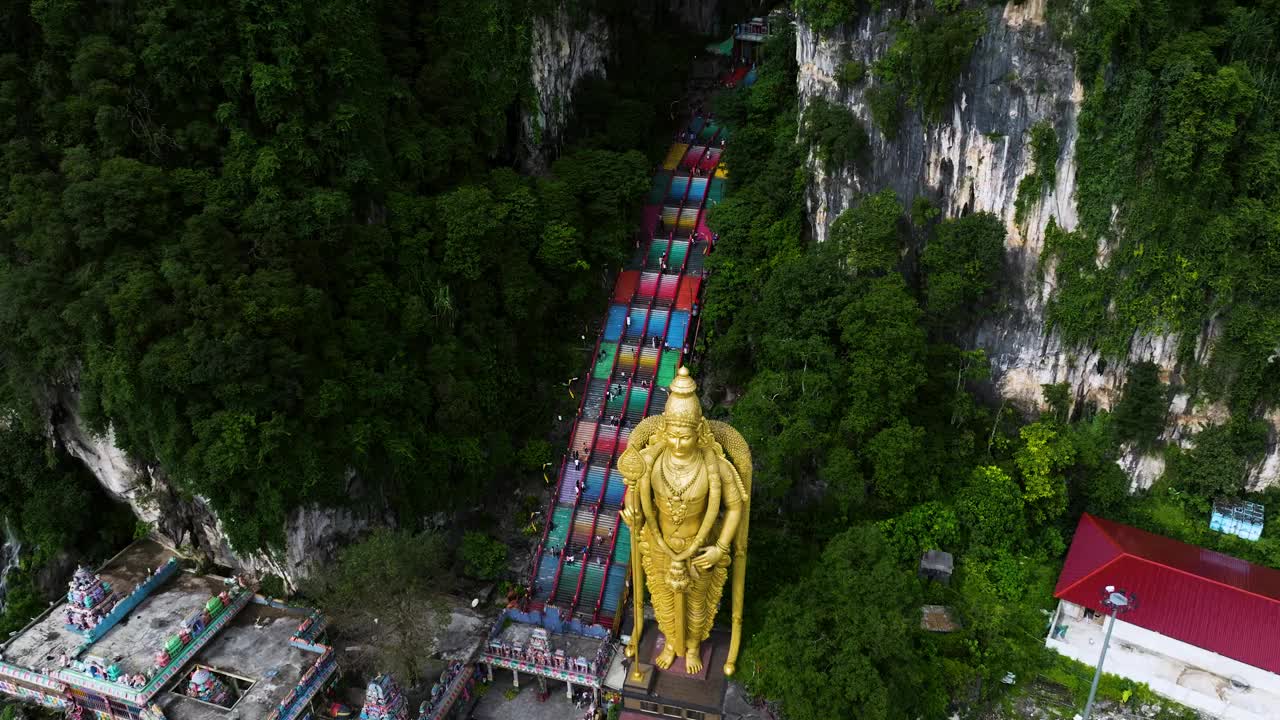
point(722, 48)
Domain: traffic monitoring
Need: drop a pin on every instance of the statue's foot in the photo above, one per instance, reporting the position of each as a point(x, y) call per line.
point(693, 660)
point(666, 657)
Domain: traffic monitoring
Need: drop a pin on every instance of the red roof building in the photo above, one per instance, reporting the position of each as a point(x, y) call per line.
point(1198, 596)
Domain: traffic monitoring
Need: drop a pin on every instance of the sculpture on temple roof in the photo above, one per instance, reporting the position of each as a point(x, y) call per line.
point(384, 701)
point(207, 687)
point(687, 506)
point(89, 600)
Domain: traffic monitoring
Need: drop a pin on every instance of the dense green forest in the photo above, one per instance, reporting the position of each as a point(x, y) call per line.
point(275, 243)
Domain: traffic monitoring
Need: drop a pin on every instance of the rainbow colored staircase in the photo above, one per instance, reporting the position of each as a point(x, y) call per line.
point(581, 565)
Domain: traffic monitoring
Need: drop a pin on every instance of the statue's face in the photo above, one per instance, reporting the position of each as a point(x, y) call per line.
point(681, 439)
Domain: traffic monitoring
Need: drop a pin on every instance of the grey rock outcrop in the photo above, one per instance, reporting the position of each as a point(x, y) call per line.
point(10, 559)
point(565, 50)
point(312, 534)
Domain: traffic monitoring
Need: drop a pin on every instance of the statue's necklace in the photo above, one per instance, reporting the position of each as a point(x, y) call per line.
point(676, 505)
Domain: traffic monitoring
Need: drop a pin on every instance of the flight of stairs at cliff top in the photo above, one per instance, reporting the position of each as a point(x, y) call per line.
point(645, 329)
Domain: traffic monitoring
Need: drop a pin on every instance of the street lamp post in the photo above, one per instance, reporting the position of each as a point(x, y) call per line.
point(1118, 601)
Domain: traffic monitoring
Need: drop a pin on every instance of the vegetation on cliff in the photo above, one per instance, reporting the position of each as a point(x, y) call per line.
point(274, 244)
point(871, 447)
point(1179, 170)
point(852, 383)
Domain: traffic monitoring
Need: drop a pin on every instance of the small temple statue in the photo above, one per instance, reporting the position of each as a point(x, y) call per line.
point(384, 701)
point(687, 507)
point(206, 686)
point(89, 600)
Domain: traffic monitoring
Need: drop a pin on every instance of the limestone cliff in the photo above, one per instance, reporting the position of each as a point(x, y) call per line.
point(697, 16)
point(312, 535)
point(10, 559)
point(566, 49)
point(1019, 75)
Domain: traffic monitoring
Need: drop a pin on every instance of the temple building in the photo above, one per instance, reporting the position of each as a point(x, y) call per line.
point(543, 647)
point(142, 638)
point(1203, 628)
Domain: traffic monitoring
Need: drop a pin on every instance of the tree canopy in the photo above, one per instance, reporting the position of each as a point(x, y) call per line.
point(272, 245)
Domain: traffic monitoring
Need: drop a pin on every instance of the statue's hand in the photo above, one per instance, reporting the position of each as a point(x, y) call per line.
point(708, 557)
point(630, 516)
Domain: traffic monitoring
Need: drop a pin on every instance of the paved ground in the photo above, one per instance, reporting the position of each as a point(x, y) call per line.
point(525, 706)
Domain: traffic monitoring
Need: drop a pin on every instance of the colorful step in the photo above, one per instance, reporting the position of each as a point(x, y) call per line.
point(658, 189)
point(667, 369)
point(614, 321)
point(647, 303)
point(674, 156)
point(626, 286)
point(604, 360)
point(677, 328)
point(679, 186)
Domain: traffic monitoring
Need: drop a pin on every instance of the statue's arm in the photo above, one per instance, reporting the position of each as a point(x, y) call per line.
point(732, 503)
point(732, 506)
point(732, 516)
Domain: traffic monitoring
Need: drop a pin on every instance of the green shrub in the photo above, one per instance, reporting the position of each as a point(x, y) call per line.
point(823, 15)
point(921, 67)
point(1219, 462)
point(1058, 397)
point(535, 454)
point(483, 557)
point(1044, 158)
point(1106, 490)
point(1139, 416)
point(272, 586)
point(962, 265)
point(851, 73)
point(839, 137)
point(867, 234)
point(885, 103)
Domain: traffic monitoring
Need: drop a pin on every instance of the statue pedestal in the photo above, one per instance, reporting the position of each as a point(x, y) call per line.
point(673, 687)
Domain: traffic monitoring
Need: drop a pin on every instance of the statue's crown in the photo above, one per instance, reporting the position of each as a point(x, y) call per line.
point(683, 406)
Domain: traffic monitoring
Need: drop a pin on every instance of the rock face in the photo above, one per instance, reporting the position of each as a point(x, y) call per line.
point(10, 558)
point(697, 16)
point(312, 536)
point(565, 50)
point(971, 161)
point(574, 43)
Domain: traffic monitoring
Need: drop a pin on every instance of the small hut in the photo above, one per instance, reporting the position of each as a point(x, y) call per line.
point(937, 565)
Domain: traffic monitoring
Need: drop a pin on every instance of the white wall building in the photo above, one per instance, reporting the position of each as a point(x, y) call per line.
point(1204, 630)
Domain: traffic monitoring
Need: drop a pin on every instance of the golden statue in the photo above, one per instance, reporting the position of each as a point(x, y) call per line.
point(687, 507)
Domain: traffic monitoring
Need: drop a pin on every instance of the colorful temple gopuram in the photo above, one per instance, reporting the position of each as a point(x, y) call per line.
point(193, 647)
point(89, 600)
point(384, 701)
point(208, 687)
